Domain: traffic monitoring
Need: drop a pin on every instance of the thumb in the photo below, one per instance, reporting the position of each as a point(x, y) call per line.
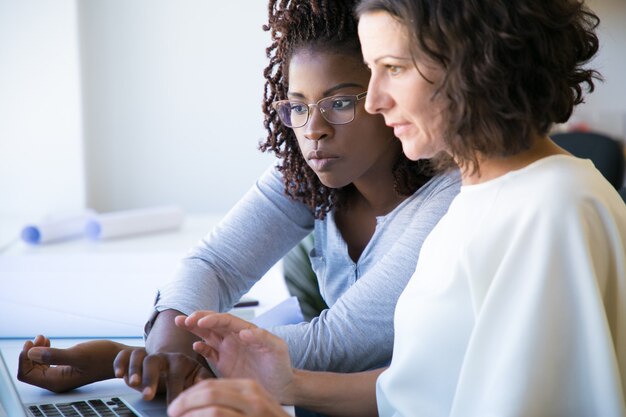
point(51, 356)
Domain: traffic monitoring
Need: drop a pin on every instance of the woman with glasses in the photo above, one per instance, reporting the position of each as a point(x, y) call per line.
point(518, 302)
point(341, 175)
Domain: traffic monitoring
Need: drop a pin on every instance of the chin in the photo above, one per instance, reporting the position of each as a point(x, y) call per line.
point(411, 152)
point(413, 148)
point(331, 182)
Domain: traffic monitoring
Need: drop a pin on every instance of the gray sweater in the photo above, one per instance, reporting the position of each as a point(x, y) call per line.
point(356, 332)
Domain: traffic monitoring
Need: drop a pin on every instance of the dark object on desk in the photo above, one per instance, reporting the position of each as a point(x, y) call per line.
point(247, 303)
point(607, 154)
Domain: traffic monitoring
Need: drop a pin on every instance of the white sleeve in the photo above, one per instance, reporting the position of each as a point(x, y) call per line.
point(549, 336)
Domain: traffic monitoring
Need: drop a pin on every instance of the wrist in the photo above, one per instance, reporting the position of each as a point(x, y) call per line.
point(293, 392)
point(166, 337)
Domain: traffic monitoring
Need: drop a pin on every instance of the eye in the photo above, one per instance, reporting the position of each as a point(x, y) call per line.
point(393, 69)
point(298, 108)
point(341, 104)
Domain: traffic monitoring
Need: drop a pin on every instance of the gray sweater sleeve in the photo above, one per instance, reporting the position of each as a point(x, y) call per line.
point(356, 333)
point(253, 236)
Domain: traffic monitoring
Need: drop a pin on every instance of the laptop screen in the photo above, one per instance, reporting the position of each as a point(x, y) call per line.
point(10, 403)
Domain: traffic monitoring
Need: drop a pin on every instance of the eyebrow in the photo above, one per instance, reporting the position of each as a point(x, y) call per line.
point(330, 91)
point(392, 57)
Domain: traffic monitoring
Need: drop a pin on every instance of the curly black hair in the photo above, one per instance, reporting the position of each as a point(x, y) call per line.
point(325, 26)
point(512, 68)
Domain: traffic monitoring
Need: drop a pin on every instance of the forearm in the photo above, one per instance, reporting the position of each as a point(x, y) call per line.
point(165, 336)
point(335, 394)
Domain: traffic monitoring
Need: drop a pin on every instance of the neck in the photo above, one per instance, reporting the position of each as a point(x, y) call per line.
point(378, 200)
point(375, 190)
point(493, 167)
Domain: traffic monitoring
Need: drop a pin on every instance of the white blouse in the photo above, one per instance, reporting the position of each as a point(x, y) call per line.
point(518, 303)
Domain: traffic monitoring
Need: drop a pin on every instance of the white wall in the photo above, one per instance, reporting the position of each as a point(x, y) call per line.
point(170, 109)
point(172, 93)
point(41, 164)
point(605, 108)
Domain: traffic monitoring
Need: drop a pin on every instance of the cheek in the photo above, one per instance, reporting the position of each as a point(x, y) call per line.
point(301, 141)
point(374, 125)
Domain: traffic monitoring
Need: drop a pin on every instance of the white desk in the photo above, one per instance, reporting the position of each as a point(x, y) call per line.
point(81, 288)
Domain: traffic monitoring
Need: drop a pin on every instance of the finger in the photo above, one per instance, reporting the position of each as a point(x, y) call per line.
point(210, 337)
point(174, 383)
point(135, 366)
point(206, 396)
point(153, 367)
point(26, 347)
point(229, 396)
point(202, 374)
point(120, 364)
point(192, 319)
point(53, 356)
point(205, 334)
point(224, 323)
point(180, 321)
point(206, 351)
point(260, 338)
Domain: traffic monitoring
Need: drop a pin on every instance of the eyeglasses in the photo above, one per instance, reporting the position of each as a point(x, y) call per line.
point(337, 110)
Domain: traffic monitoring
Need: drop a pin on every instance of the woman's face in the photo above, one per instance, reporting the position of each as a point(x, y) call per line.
point(339, 154)
point(400, 91)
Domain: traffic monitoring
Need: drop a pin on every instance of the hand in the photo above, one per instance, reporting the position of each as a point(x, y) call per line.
point(152, 373)
point(79, 365)
point(238, 349)
point(228, 397)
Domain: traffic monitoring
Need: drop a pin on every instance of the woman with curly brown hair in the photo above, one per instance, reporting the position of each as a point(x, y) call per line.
point(341, 174)
point(518, 302)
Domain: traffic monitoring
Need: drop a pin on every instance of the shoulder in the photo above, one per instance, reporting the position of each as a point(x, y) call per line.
point(449, 180)
point(442, 187)
point(560, 182)
point(558, 191)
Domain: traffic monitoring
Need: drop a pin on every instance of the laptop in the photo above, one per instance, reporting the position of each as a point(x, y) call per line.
point(126, 405)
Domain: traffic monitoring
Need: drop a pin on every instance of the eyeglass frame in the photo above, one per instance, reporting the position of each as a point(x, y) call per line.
point(357, 97)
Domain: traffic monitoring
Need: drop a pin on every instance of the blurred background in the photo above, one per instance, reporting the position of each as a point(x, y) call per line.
point(121, 104)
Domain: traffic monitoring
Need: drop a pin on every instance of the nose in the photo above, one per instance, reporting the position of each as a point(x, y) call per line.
point(377, 100)
point(316, 128)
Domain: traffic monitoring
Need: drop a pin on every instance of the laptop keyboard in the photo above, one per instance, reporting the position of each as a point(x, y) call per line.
point(113, 407)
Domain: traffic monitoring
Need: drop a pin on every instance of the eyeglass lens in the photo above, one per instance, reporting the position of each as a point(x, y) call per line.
point(336, 110)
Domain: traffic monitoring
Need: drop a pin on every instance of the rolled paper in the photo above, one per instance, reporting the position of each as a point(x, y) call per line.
point(56, 228)
point(133, 222)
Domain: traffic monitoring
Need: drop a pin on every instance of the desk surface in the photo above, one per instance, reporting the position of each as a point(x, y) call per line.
point(82, 288)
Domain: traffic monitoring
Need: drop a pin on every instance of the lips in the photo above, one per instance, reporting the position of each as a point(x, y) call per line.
point(320, 160)
point(317, 154)
point(399, 128)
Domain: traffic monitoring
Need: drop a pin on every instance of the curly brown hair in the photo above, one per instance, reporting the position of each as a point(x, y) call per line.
point(512, 68)
point(324, 26)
